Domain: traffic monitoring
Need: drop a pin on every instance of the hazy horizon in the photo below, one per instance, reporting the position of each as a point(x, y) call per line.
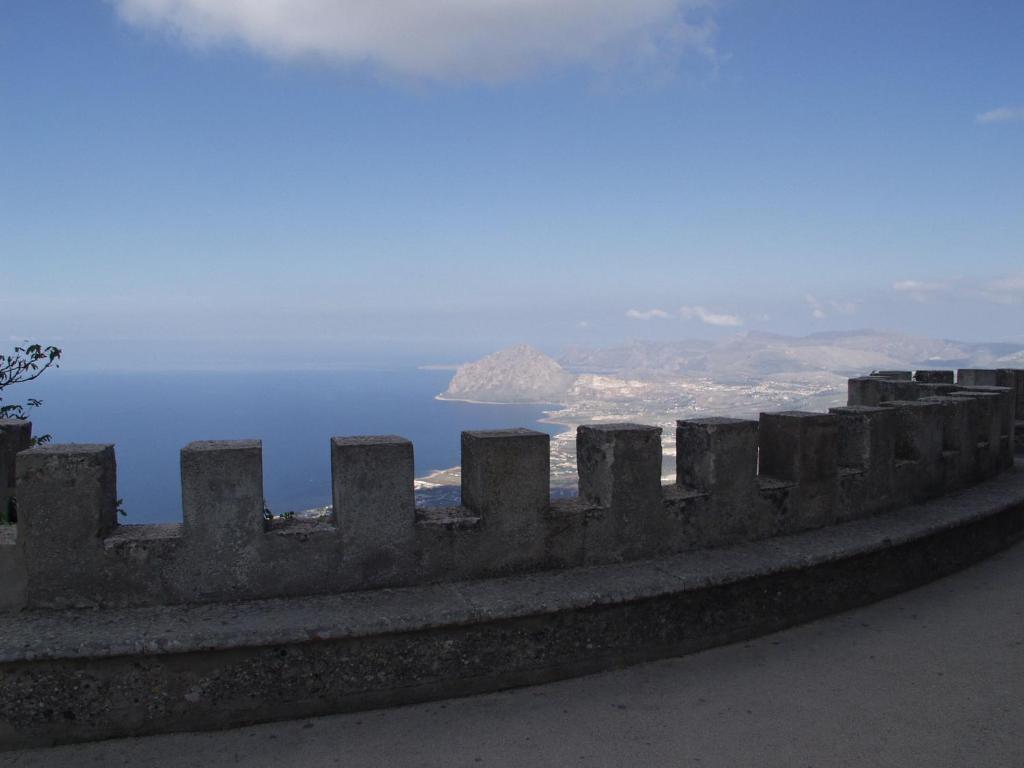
point(233, 355)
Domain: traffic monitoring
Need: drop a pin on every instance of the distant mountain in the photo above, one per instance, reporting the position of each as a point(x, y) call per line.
point(1014, 360)
point(757, 354)
point(518, 374)
point(676, 356)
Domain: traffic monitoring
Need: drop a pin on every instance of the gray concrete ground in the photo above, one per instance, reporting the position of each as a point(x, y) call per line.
point(934, 677)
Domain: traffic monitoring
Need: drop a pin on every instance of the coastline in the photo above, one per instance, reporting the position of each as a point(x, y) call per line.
point(451, 475)
point(444, 399)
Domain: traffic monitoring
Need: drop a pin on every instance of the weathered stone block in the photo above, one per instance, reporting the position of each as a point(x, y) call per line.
point(935, 390)
point(15, 436)
point(620, 476)
point(67, 503)
point(506, 482)
point(907, 390)
point(797, 446)
point(867, 437)
point(374, 504)
point(867, 446)
point(895, 375)
point(802, 448)
point(976, 377)
point(67, 494)
point(986, 427)
point(919, 433)
point(874, 390)
point(619, 465)
point(958, 440)
point(222, 501)
point(506, 473)
point(1006, 417)
point(222, 490)
point(934, 377)
point(869, 390)
point(717, 455)
point(1014, 378)
point(919, 446)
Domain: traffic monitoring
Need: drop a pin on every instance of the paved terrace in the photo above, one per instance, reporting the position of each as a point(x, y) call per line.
point(933, 677)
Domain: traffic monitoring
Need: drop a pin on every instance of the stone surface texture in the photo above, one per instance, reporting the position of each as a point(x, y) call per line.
point(920, 680)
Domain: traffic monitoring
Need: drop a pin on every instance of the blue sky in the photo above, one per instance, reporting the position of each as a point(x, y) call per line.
point(187, 183)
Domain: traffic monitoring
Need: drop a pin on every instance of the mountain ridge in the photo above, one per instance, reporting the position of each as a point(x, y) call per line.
point(758, 353)
point(517, 374)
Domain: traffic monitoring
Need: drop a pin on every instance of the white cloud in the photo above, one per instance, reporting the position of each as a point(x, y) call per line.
point(923, 290)
point(817, 308)
point(647, 314)
point(1007, 289)
point(822, 308)
point(687, 313)
point(480, 40)
point(1004, 290)
point(1001, 115)
point(710, 318)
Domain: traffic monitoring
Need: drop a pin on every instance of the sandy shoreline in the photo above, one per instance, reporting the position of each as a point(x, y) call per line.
point(442, 398)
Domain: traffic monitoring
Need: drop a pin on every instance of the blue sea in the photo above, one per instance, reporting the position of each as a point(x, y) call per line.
point(151, 416)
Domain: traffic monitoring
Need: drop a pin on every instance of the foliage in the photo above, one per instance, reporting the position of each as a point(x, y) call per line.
point(25, 364)
point(271, 517)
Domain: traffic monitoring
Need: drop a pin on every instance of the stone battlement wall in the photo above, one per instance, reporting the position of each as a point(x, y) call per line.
point(901, 439)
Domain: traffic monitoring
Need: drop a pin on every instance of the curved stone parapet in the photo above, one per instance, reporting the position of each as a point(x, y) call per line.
point(225, 619)
point(78, 674)
point(899, 441)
